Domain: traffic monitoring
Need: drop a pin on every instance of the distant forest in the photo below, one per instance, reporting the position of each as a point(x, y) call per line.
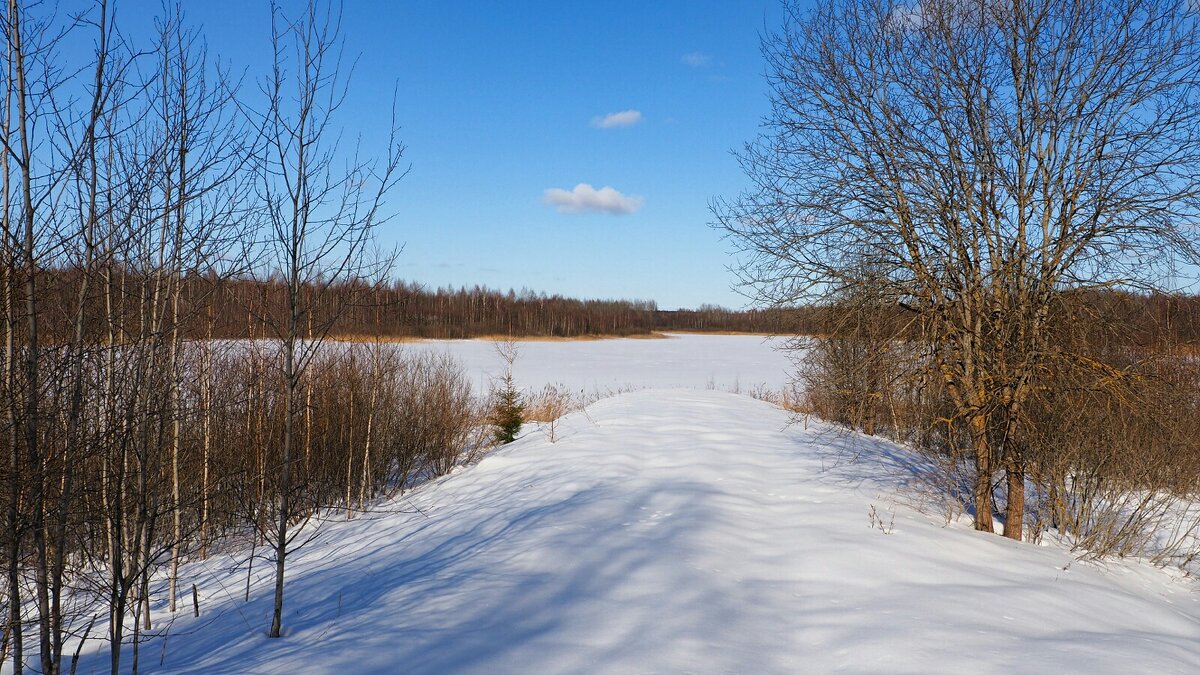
point(223, 308)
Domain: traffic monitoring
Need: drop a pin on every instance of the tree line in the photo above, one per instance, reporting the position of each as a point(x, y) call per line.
point(238, 307)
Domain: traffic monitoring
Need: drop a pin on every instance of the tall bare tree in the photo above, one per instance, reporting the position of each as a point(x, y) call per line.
point(980, 157)
point(50, 145)
point(322, 209)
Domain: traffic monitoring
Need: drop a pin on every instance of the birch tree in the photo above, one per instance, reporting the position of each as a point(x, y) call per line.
point(323, 206)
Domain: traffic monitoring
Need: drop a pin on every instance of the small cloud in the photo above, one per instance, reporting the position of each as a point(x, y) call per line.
point(696, 59)
point(906, 17)
point(587, 199)
point(625, 118)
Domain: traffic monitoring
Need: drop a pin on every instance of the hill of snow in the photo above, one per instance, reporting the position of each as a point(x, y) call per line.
point(679, 531)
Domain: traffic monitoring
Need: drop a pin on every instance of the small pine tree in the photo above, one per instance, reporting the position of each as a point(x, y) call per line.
point(507, 414)
point(508, 410)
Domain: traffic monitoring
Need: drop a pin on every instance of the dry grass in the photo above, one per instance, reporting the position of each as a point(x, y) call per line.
point(692, 331)
point(572, 338)
point(356, 338)
point(655, 335)
point(366, 339)
point(551, 403)
point(788, 398)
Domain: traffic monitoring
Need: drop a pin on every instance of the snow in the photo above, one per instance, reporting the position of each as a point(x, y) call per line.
point(674, 530)
point(598, 367)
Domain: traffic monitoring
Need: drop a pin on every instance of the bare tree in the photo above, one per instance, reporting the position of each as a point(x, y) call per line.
point(51, 146)
point(322, 209)
point(981, 157)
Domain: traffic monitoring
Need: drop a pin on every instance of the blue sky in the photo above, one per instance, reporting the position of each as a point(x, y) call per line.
point(500, 102)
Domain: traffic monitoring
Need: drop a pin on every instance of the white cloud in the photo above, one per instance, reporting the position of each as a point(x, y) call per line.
point(906, 17)
point(696, 59)
point(587, 199)
point(625, 118)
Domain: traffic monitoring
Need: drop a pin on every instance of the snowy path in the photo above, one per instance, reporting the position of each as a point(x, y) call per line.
point(684, 531)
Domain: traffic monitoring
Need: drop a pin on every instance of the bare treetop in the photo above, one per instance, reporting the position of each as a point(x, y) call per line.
point(958, 143)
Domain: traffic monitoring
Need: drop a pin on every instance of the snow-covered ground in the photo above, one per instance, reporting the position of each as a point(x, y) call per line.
point(675, 530)
point(681, 531)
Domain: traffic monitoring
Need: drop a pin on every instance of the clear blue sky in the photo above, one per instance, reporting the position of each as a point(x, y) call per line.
point(501, 102)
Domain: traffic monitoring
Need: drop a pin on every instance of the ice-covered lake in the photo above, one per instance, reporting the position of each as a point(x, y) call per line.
point(723, 362)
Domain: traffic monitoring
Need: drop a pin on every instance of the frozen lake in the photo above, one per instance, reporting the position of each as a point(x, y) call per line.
point(723, 362)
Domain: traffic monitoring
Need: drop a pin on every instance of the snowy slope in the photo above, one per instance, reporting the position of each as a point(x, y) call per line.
point(681, 531)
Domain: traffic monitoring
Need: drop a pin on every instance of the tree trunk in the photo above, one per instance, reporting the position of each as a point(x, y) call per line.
point(206, 433)
point(983, 475)
point(291, 383)
point(1014, 512)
